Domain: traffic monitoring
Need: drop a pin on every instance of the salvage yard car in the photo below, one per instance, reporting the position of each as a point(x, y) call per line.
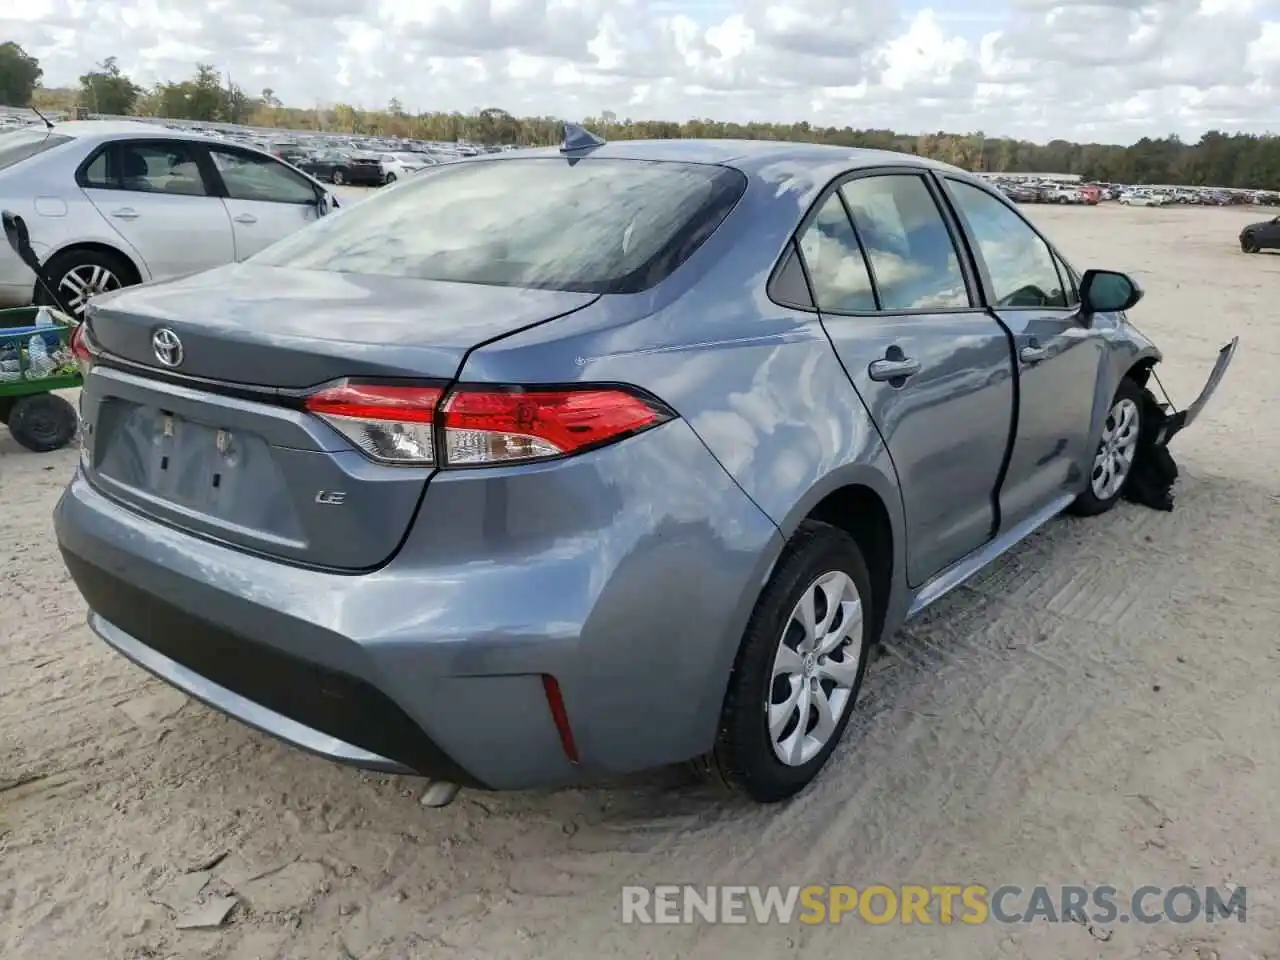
point(110, 204)
point(559, 463)
point(1261, 236)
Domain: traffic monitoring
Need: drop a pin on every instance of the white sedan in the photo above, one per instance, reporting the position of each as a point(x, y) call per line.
point(1143, 199)
point(110, 204)
point(396, 166)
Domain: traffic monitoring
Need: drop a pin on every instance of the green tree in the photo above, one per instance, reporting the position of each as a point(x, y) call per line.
point(20, 74)
point(207, 99)
point(107, 90)
point(236, 105)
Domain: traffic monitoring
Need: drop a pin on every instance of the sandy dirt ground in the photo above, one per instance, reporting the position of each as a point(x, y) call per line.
point(1101, 708)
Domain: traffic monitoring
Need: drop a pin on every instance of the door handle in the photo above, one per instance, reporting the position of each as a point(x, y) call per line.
point(125, 213)
point(246, 218)
point(881, 370)
point(1033, 354)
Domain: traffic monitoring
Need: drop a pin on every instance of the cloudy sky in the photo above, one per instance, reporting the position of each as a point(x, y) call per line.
point(1109, 70)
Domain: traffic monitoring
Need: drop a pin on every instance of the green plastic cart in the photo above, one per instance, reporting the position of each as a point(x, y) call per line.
point(34, 362)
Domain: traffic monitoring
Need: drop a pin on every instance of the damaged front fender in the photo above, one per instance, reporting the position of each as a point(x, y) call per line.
point(1176, 421)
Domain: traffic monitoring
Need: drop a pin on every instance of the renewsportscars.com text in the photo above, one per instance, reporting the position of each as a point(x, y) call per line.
point(934, 904)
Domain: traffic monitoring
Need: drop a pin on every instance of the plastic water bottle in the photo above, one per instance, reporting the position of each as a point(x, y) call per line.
point(39, 363)
point(44, 318)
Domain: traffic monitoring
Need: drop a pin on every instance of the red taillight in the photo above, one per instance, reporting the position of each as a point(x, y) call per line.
point(485, 426)
point(82, 348)
point(482, 425)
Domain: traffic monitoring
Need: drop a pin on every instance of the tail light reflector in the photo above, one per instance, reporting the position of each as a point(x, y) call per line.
point(482, 425)
point(82, 348)
point(391, 424)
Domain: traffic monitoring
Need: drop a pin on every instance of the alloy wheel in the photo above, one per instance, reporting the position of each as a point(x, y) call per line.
point(84, 281)
point(815, 669)
point(1115, 455)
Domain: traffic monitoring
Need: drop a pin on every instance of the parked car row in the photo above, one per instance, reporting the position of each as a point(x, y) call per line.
point(1049, 190)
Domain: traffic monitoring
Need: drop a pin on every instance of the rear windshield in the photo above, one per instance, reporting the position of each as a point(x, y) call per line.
point(18, 145)
point(594, 226)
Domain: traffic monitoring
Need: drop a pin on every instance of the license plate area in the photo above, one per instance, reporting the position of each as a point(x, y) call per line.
point(223, 473)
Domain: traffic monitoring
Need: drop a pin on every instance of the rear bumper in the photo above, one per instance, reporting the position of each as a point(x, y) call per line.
point(632, 591)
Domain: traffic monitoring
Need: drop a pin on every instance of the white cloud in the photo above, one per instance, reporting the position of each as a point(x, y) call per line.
point(1112, 70)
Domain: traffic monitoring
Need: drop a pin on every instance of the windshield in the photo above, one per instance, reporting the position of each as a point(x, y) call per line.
point(592, 226)
point(18, 145)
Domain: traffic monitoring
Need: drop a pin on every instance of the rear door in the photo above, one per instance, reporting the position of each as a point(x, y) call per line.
point(934, 370)
point(158, 198)
point(265, 199)
point(1059, 358)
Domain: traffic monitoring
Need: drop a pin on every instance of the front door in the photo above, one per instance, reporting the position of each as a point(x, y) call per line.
point(265, 199)
point(155, 196)
point(933, 370)
point(1059, 357)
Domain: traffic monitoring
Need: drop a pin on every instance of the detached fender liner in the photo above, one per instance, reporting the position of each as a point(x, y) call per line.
point(331, 702)
point(1154, 470)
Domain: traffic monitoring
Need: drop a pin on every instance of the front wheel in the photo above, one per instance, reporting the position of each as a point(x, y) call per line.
point(1249, 243)
point(1112, 463)
point(799, 669)
point(391, 178)
point(338, 178)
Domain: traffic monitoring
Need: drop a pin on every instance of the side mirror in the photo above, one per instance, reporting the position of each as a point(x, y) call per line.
point(322, 202)
point(1108, 291)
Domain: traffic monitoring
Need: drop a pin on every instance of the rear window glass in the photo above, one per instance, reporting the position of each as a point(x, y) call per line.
point(594, 226)
point(18, 145)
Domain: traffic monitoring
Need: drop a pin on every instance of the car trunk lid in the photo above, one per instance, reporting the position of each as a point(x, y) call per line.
point(220, 445)
point(286, 329)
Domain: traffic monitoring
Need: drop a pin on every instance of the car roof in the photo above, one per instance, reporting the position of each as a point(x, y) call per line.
point(743, 153)
point(815, 163)
point(121, 128)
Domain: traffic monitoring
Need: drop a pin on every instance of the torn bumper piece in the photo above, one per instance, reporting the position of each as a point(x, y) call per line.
point(1175, 422)
point(1154, 470)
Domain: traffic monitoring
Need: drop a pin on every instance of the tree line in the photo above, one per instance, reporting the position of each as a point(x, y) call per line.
point(1218, 158)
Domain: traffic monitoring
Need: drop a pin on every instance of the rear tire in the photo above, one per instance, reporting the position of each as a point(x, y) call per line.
point(391, 178)
point(339, 178)
point(43, 422)
point(795, 703)
point(1112, 464)
point(84, 272)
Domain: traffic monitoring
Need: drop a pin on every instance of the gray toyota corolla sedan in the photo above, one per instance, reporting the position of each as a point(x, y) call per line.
point(577, 461)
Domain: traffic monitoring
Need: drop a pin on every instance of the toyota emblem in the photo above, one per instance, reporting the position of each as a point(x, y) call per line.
point(167, 347)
